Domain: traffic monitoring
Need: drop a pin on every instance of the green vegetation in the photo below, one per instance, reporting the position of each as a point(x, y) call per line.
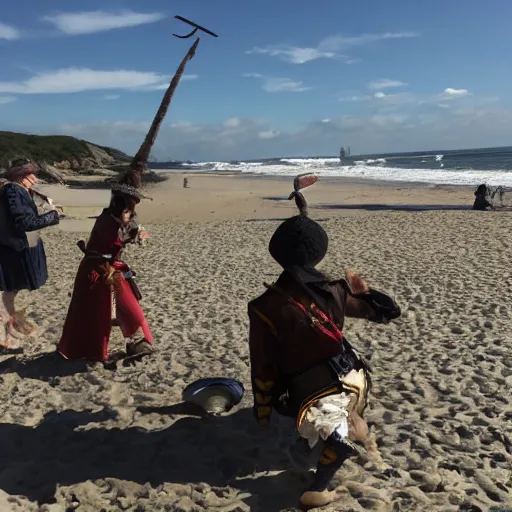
point(52, 148)
point(115, 153)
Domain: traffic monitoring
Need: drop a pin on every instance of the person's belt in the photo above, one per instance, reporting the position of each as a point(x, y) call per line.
point(92, 254)
point(307, 383)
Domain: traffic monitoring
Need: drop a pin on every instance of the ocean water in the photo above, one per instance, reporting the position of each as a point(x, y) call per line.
point(492, 166)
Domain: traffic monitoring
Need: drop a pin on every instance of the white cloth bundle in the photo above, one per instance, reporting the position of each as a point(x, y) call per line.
point(324, 417)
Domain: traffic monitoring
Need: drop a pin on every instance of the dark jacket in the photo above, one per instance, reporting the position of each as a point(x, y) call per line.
point(284, 346)
point(481, 202)
point(18, 215)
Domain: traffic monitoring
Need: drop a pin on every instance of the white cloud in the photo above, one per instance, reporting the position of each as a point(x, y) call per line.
point(7, 99)
point(388, 121)
point(269, 134)
point(328, 48)
point(254, 139)
point(111, 97)
point(8, 32)
point(278, 84)
point(448, 98)
point(455, 92)
point(339, 42)
point(238, 138)
point(395, 99)
point(380, 98)
point(274, 84)
point(355, 98)
point(183, 126)
point(293, 54)
point(385, 84)
point(89, 22)
point(71, 80)
point(232, 122)
point(451, 94)
point(166, 85)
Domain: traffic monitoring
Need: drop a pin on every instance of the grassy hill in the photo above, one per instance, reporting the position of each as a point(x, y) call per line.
point(53, 149)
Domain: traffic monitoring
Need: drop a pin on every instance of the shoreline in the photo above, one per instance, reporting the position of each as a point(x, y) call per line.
point(334, 179)
point(100, 182)
point(220, 197)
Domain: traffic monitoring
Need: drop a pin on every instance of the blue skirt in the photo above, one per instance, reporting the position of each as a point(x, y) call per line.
point(22, 270)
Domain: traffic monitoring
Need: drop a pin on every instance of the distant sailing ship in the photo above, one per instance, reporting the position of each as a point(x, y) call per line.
point(344, 153)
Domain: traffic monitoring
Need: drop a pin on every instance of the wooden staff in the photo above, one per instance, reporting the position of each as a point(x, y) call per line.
point(142, 156)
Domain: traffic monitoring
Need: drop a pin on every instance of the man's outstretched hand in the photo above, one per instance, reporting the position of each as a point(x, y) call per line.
point(356, 283)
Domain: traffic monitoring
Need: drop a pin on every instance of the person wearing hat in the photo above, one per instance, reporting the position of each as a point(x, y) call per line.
point(481, 203)
point(22, 255)
point(105, 292)
point(301, 363)
point(104, 289)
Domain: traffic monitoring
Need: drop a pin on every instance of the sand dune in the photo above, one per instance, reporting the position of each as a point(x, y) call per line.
point(84, 438)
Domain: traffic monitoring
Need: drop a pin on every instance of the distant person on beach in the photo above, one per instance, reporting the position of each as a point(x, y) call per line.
point(105, 292)
point(481, 203)
point(301, 363)
point(22, 255)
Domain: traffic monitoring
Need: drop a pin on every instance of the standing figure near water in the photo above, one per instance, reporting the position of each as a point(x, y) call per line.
point(22, 255)
point(481, 203)
point(301, 364)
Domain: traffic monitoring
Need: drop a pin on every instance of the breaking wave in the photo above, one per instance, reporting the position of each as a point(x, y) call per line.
point(471, 167)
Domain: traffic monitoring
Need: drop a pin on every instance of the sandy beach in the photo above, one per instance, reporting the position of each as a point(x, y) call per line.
point(79, 437)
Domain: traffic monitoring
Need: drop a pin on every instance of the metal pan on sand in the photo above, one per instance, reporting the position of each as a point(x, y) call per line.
point(215, 395)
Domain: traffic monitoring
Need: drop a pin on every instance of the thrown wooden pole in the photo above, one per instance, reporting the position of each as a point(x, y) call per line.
point(142, 156)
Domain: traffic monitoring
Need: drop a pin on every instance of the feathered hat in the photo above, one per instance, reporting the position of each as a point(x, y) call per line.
point(299, 241)
point(131, 182)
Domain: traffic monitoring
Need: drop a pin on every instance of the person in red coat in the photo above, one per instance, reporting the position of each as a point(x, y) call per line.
point(104, 292)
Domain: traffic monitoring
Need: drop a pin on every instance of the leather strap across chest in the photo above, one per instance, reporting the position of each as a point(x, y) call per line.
point(317, 317)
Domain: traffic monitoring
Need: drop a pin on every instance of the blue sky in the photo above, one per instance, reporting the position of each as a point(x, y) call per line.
point(284, 78)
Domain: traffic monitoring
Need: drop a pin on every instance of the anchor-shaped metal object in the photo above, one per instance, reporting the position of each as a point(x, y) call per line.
point(197, 27)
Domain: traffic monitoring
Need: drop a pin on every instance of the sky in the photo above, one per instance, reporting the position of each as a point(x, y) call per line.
point(284, 78)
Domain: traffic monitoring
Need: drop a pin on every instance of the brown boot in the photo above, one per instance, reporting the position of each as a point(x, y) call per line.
point(335, 452)
point(136, 350)
point(316, 499)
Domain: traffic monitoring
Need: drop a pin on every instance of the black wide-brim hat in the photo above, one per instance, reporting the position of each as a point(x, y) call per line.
point(299, 241)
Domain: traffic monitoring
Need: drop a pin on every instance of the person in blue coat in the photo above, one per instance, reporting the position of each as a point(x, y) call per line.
point(22, 255)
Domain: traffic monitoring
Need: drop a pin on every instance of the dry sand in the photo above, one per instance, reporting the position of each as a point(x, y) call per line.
point(84, 438)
